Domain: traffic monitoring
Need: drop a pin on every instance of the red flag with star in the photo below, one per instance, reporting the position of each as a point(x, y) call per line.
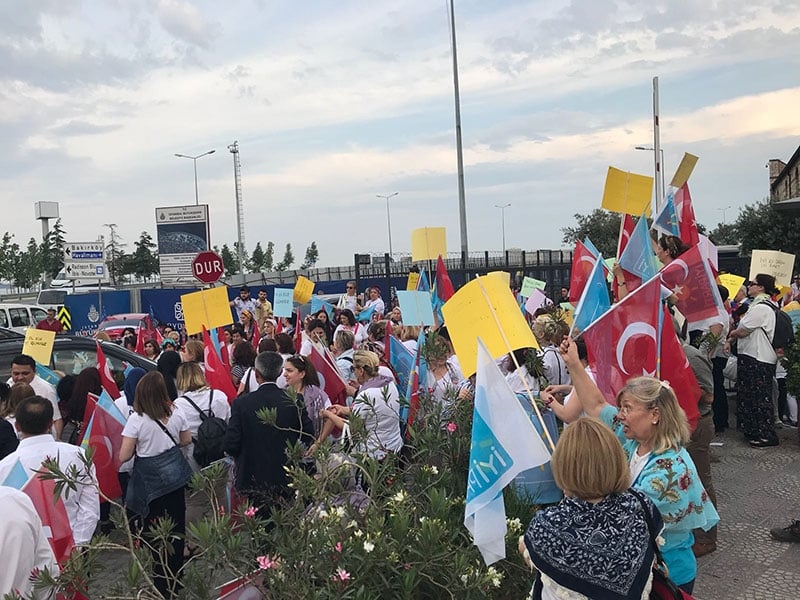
point(622, 343)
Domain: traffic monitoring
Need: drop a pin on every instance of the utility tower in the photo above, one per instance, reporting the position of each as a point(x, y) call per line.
point(237, 179)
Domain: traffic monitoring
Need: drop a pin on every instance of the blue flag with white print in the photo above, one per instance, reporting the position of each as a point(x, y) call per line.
point(504, 444)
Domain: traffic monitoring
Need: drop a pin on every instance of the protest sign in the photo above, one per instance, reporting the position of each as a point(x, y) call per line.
point(732, 283)
point(772, 262)
point(627, 192)
point(529, 284)
point(427, 243)
point(303, 289)
point(206, 307)
point(684, 170)
point(38, 344)
point(416, 307)
point(282, 302)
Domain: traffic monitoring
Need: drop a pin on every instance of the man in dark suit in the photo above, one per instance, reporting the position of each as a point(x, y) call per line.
point(258, 448)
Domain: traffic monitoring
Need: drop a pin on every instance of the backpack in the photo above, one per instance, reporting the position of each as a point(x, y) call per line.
point(209, 443)
point(783, 337)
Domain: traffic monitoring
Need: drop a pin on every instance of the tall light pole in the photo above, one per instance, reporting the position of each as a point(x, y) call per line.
point(723, 212)
point(462, 202)
point(503, 208)
point(388, 216)
point(661, 150)
point(194, 160)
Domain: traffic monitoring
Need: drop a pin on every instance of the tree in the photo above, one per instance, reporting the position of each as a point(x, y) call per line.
point(725, 234)
point(9, 254)
point(257, 259)
point(115, 256)
point(27, 265)
point(52, 250)
point(288, 259)
point(269, 257)
point(762, 226)
point(228, 260)
point(312, 256)
point(143, 263)
point(601, 226)
point(246, 265)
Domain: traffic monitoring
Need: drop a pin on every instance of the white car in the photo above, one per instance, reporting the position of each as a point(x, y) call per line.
point(21, 316)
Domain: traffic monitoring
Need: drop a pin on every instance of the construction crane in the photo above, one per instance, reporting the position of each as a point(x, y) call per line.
point(237, 179)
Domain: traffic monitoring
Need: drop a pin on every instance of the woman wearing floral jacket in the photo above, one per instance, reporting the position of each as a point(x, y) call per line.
point(653, 431)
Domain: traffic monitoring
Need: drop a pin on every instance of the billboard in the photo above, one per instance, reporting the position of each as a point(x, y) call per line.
point(182, 232)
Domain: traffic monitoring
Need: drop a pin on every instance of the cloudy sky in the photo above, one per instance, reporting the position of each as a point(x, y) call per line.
point(335, 102)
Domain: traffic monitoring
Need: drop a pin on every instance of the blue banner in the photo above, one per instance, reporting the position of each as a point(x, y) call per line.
point(87, 313)
point(165, 305)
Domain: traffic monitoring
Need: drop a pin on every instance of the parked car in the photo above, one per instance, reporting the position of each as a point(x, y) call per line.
point(21, 316)
point(72, 354)
point(141, 323)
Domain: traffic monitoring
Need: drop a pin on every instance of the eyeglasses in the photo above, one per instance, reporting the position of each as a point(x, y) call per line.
point(624, 411)
point(350, 287)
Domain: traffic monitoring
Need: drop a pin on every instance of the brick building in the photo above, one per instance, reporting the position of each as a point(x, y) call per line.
point(784, 178)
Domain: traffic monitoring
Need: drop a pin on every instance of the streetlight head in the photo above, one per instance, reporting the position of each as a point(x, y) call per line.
point(641, 148)
point(211, 152)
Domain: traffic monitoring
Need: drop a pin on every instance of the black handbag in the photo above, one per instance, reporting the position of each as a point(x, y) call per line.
point(662, 587)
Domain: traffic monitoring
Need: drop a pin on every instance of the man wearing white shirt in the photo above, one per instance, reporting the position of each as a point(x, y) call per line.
point(23, 543)
point(34, 419)
point(23, 368)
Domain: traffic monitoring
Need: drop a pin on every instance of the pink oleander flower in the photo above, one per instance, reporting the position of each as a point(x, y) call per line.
point(451, 427)
point(251, 512)
point(340, 575)
point(221, 511)
point(267, 562)
point(407, 566)
point(338, 546)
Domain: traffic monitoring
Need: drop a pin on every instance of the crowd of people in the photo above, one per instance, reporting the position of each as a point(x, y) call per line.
point(636, 480)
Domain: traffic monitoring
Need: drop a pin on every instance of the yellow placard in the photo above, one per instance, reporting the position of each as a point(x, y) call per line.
point(485, 308)
point(503, 276)
point(772, 262)
point(627, 192)
point(732, 283)
point(303, 290)
point(413, 280)
point(38, 344)
point(684, 170)
point(206, 307)
point(427, 243)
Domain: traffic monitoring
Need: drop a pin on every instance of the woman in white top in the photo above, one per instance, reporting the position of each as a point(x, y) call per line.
point(153, 429)
point(192, 386)
point(376, 403)
point(347, 321)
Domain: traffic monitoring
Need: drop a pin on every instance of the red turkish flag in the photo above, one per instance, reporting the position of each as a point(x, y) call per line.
point(217, 374)
point(676, 370)
point(686, 220)
point(622, 343)
point(444, 287)
point(256, 335)
point(582, 264)
point(330, 380)
point(689, 279)
point(106, 379)
point(53, 514)
point(104, 436)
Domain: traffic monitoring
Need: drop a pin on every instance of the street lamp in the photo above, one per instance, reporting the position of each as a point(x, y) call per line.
point(651, 149)
point(723, 212)
point(388, 216)
point(194, 160)
point(503, 208)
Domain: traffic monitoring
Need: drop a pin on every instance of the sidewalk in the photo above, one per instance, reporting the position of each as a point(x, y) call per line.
point(757, 489)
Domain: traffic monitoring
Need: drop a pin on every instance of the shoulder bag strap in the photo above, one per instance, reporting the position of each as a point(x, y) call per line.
point(203, 416)
point(165, 430)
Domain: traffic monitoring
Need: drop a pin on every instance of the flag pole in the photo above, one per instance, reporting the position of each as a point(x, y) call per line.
point(516, 363)
point(657, 146)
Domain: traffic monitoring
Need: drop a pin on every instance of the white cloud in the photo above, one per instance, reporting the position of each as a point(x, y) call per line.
point(187, 23)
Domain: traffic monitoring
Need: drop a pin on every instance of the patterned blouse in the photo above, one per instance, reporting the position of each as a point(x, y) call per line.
point(671, 481)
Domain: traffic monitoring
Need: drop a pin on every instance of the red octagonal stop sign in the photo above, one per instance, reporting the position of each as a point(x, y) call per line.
point(207, 267)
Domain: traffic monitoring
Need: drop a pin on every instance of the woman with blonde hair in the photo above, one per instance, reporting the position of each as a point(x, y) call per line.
point(596, 543)
point(653, 431)
point(376, 402)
